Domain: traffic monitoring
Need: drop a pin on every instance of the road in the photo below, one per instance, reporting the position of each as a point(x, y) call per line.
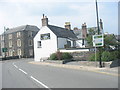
point(21, 74)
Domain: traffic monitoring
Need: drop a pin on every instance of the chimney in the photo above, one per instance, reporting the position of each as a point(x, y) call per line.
point(84, 30)
point(44, 21)
point(67, 25)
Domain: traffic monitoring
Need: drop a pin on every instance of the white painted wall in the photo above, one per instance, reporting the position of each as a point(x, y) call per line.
point(79, 43)
point(48, 46)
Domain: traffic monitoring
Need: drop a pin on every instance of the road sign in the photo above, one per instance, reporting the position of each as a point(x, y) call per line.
point(98, 40)
point(4, 49)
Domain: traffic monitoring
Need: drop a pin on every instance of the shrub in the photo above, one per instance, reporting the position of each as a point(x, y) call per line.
point(114, 55)
point(106, 56)
point(92, 57)
point(66, 56)
point(53, 56)
point(59, 56)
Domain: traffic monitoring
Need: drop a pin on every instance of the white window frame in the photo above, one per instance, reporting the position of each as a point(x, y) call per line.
point(10, 36)
point(10, 52)
point(18, 34)
point(19, 52)
point(2, 37)
point(19, 43)
point(2, 44)
point(10, 43)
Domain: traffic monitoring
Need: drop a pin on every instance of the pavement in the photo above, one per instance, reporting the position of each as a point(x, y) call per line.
point(75, 65)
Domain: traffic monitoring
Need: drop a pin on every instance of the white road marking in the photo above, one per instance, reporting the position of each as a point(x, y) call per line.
point(22, 71)
point(39, 82)
point(33, 78)
point(15, 66)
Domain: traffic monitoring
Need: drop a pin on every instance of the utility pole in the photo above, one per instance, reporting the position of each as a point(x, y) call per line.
point(100, 61)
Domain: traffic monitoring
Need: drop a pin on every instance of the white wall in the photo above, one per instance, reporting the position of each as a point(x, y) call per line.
point(79, 43)
point(48, 46)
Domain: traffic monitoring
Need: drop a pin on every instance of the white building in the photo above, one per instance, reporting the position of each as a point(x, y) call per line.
point(51, 38)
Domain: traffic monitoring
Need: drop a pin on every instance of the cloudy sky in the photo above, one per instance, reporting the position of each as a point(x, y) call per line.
point(15, 13)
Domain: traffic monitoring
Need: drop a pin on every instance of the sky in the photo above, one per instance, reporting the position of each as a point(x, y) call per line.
point(15, 13)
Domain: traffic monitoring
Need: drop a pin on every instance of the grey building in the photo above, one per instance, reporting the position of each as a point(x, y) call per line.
point(18, 41)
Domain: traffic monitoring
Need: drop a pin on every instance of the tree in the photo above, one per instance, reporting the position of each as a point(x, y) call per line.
point(110, 42)
point(89, 37)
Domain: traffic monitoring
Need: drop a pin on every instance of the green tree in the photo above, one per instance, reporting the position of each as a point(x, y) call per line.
point(110, 42)
point(89, 37)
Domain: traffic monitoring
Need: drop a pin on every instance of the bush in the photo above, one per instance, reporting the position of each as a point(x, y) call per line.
point(53, 56)
point(114, 55)
point(60, 56)
point(66, 56)
point(106, 56)
point(92, 57)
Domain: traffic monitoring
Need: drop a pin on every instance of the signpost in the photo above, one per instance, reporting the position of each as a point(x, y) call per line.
point(98, 41)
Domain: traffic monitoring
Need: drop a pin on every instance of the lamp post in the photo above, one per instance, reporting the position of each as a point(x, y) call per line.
point(100, 61)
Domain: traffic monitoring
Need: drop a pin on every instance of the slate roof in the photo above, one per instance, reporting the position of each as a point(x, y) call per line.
point(22, 28)
point(62, 32)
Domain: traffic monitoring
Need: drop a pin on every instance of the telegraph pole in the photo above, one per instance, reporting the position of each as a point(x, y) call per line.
point(100, 61)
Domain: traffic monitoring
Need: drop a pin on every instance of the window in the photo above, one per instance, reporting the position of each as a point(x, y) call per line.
point(30, 34)
point(19, 52)
point(19, 43)
point(31, 52)
point(45, 36)
point(2, 37)
point(10, 36)
point(39, 44)
point(10, 53)
point(30, 42)
point(2, 44)
point(18, 34)
point(10, 43)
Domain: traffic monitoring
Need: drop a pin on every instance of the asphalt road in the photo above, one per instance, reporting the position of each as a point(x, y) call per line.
point(21, 74)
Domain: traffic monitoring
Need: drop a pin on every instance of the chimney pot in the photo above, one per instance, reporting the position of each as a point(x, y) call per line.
point(68, 25)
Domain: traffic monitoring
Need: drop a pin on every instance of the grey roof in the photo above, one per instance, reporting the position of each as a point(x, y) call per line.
point(62, 32)
point(78, 33)
point(22, 28)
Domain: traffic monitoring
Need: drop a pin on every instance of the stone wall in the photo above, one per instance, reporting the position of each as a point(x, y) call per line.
point(82, 56)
